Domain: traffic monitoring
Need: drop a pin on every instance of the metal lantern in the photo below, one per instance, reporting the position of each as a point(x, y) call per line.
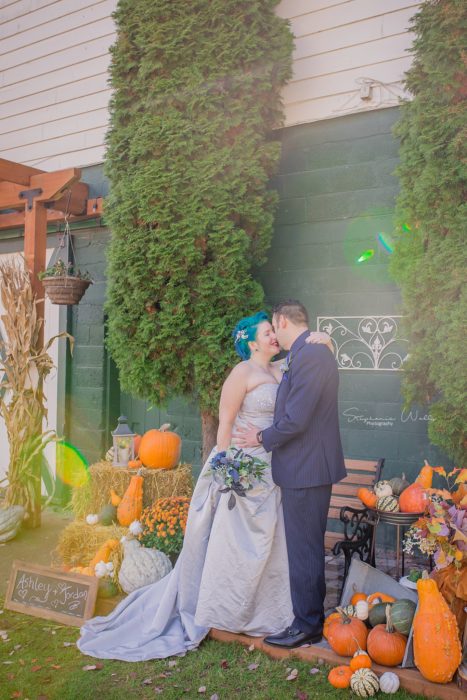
point(123, 443)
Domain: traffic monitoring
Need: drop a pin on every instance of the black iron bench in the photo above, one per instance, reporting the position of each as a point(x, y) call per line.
point(356, 529)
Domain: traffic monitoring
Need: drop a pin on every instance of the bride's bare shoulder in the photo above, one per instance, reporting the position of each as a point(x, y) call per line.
point(243, 369)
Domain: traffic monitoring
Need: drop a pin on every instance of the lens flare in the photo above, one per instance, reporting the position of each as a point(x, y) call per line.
point(366, 255)
point(386, 242)
point(72, 467)
point(406, 227)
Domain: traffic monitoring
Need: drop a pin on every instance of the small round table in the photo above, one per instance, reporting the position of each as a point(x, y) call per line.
point(399, 520)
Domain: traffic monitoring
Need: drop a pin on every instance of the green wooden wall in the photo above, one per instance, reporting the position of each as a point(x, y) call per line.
point(337, 191)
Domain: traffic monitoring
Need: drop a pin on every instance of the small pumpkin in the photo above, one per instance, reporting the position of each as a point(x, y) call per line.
point(136, 444)
point(115, 499)
point(360, 660)
point(135, 464)
point(357, 595)
point(389, 683)
point(347, 634)
point(339, 676)
point(388, 504)
point(131, 505)
point(383, 488)
point(399, 484)
point(436, 644)
point(385, 645)
point(362, 609)
point(160, 449)
point(141, 566)
point(414, 499)
point(425, 476)
point(367, 497)
point(364, 683)
point(402, 613)
point(108, 514)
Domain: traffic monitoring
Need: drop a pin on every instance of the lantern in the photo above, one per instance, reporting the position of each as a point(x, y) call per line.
point(123, 443)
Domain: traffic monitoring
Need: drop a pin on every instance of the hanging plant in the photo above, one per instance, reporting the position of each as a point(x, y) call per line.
point(64, 284)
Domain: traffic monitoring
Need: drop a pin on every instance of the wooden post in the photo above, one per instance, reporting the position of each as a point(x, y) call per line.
point(35, 242)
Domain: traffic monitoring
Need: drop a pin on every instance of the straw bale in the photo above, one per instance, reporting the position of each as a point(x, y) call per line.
point(158, 483)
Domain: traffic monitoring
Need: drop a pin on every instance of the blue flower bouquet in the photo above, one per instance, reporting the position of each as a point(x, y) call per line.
point(236, 471)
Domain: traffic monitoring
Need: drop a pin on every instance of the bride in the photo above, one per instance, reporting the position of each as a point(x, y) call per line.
point(232, 572)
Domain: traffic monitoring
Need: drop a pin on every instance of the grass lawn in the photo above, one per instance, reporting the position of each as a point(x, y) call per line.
point(39, 661)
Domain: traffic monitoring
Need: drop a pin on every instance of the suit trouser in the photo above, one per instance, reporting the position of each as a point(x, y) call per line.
point(305, 518)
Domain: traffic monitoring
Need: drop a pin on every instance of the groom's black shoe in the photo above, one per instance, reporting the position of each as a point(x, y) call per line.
point(292, 637)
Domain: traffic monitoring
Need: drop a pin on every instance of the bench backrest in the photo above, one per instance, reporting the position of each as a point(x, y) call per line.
point(360, 473)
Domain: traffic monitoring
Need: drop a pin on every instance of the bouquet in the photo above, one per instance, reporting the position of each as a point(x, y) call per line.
point(164, 524)
point(236, 471)
point(442, 531)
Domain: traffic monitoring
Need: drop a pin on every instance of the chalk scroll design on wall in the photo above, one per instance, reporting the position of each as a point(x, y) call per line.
point(366, 342)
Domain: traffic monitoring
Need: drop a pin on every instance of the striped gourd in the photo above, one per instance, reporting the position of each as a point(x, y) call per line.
point(388, 504)
point(364, 683)
point(350, 610)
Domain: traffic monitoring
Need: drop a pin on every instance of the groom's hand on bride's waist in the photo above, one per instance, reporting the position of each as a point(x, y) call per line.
point(247, 437)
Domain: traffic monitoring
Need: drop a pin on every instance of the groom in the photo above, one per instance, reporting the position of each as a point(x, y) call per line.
point(307, 459)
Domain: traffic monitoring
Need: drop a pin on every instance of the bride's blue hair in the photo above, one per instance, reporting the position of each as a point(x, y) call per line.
point(245, 331)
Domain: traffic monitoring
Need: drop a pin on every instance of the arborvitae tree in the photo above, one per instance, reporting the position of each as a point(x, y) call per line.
point(190, 152)
point(430, 260)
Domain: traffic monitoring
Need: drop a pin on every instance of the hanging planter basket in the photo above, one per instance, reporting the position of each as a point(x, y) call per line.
point(65, 290)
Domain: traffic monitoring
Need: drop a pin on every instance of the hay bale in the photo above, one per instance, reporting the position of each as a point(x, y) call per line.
point(158, 483)
point(79, 542)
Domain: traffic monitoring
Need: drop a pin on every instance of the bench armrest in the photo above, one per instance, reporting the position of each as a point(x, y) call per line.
point(356, 522)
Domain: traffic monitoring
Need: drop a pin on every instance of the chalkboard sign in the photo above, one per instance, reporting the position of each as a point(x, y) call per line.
point(51, 593)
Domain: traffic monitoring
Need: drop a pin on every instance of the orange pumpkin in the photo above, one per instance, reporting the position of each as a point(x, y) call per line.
point(160, 449)
point(360, 660)
point(413, 499)
point(425, 477)
point(357, 595)
point(330, 618)
point(436, 645)
point(135, 464)
point(347, 634)
point(367, 497)
point(339, 677)
point(385, 645)
point(136, 444)
point(131, 505)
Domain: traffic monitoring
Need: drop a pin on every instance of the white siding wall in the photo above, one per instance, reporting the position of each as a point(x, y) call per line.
point(339, 42)
point(54, 59)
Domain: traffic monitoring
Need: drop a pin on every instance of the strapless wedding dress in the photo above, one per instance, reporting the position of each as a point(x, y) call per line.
point(232, 572)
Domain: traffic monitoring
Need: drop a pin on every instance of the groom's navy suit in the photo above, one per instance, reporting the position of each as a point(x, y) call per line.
point(307, 459)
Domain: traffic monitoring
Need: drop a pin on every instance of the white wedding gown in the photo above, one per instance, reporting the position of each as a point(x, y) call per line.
point(232, 572)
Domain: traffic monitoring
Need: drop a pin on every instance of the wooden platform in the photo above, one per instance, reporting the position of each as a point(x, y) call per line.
point(410, 678)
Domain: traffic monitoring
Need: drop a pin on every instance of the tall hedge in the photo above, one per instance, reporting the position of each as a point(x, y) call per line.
point(430, 259)
point(190, 152)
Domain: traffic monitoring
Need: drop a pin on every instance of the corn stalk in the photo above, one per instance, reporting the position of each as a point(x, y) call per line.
point(24, 365)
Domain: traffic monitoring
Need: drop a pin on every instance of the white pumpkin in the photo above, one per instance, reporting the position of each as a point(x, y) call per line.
point(361, 609)
point(10, 522)
point(383, 488)
point(92, 519)
point(389, 683)
point(141, 566)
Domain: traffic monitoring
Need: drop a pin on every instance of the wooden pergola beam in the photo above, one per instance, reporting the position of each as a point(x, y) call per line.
point(47, 186)
point(93, 208)
point(16, 172)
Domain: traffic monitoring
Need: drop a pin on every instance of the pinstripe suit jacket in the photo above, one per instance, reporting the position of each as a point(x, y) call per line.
point(304, 438)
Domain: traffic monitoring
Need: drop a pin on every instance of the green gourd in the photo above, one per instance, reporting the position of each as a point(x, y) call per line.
point(388, 504)
point(108, 514)
point(377, 614)
point(399, 484)
point(402, 614)
point(106, 588)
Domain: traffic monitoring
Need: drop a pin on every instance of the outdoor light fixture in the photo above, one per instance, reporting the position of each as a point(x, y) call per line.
point(123, 443)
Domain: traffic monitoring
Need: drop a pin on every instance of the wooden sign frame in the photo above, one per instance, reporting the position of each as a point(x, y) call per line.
point(90, 582)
